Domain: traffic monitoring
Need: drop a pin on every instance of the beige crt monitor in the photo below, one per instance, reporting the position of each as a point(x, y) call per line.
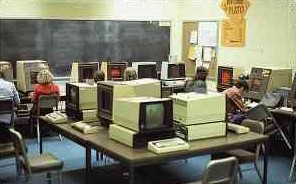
point(7, 70)
point(195, 108)
point(110, 90)
point(27, 73)
point(80, 72)
point(126, 111)
point(114, 70)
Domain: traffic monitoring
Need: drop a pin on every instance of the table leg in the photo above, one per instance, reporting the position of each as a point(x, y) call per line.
point(131, 175)
point(265, 171)
point(87, 164)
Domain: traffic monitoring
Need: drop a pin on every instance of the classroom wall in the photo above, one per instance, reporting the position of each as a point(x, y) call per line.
point(270, 34)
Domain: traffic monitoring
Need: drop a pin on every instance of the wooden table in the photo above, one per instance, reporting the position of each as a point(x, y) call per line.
point(134, 158)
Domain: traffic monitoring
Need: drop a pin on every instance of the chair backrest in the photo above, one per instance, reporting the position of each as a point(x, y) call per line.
point(254, 125)
point(259, 112)
point(20, 149)
point(257, 127)
point(7, 107)
point(47, 102)
point(220, 171)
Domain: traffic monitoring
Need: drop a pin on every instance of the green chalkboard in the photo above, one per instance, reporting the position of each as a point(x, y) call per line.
point(62, 41)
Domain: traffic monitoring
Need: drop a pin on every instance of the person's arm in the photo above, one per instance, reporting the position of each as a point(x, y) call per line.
point(16, 97)
point(237, 100)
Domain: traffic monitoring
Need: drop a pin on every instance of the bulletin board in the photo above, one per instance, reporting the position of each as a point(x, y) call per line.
point(200, 43)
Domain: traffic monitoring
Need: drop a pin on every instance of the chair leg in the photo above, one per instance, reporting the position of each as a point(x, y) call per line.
point(38, 131)
point(60, 178)
point(61, 137)
point(291, 175)
point(257, 170)
point(240, 172)
point(49, 177)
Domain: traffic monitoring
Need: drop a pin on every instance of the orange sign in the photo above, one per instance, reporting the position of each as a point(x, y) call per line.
point(235, 8)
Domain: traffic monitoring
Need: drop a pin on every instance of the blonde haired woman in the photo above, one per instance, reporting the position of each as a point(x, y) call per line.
point(45, 86)
point(130, 74)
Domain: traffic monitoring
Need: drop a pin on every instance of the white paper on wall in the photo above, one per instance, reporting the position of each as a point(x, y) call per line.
point(207, 53)
point(208, 34)
point(193, 37)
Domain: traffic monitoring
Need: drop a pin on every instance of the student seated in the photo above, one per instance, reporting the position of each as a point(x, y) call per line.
point(235, 107)
point(99, 76)
point(198, 84)
point(7, 90)
point(130, 74)
point(45, 86)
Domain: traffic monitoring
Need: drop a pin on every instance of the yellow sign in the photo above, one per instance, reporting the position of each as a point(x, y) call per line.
point(233, 32)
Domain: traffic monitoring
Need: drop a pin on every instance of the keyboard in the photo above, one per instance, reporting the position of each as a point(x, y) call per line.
point(237, 128)
point(167, 145)
point(85, 127)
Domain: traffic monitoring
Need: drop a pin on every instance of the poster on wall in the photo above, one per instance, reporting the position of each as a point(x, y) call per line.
point(233, 32)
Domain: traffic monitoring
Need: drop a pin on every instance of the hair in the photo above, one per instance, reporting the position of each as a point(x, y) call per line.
point(44, 77)
point(201, 73)
point(99, 76)
point(242, 84)
point(130, 74)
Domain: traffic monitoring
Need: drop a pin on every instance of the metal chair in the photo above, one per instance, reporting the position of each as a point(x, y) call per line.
point(261, 113)
point(7, 149)
point(250, 155)
point(42, 163)
point(45, 102)
point(220, 171)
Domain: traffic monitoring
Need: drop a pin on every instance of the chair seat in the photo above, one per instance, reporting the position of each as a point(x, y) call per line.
point(45, 162)
point(7, 150)
point(243, 156)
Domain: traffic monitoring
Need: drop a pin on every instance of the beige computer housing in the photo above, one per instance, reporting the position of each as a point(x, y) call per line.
point(7, 70)
point(120, 89)
point(194, 108)
point(134, 88)
point(87, 95)
point(27, 72)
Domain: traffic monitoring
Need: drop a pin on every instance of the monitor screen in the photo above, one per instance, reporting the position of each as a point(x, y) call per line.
point(105, 100)
point(116, 71)
point(33, 76)
point(225, 78)
point(147, 71)
point(86, 71)
point(176, 70)
point(72, 94)
point(154, 116)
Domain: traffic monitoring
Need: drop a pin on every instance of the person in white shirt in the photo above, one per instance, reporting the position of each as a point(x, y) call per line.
point(7, 90)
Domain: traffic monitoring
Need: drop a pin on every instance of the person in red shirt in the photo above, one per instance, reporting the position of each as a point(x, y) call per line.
point(45, 86)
